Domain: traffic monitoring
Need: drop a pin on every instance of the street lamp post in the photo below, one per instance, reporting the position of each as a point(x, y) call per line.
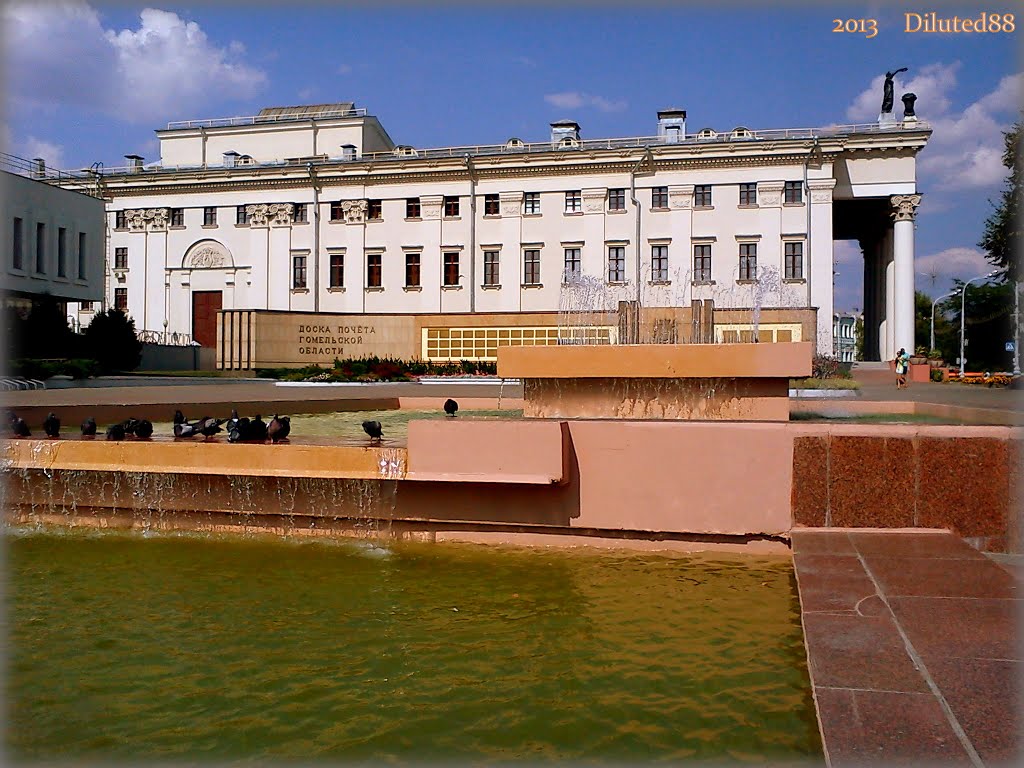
point(963, 311)
point(946, 296)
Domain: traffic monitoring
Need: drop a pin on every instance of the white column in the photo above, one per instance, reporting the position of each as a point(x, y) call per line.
point(890, 299)
point(904, 207)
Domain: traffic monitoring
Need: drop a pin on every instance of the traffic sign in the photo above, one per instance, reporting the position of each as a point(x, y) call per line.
point(1009, 346)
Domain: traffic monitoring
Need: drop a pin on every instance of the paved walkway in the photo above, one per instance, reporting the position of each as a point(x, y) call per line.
point(913, 648)
point(881, 385)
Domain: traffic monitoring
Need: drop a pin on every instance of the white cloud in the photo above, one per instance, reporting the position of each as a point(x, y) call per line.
point(167, 68)
point(32, 148)
point(576, 99)
point(953, 262)
point(344, 69)
point(305, 94)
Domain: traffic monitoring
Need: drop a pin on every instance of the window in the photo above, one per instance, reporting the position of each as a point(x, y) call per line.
point(62, 252)
point(748, 261)
point(451, 207)
point(41, 248)
point(490, 205)
point(572, 264)
point(659, 263)
point(616, 199)
point(209, 216)
point(412, 208)
point(573, 201)
point(531, 266)
point(374, 210)
point(794, 192)
point(659, 197)
point(531, 203)
point(85, 306)
point(412, 270)
point(374, 268)
point(616, 264)
point(491, 268)
point(451, 268)
point(81, 255)
point(702, 263)
point(241, 215)
point(794, 261)
point(120, 258)
point(121, 299)
point(748, 194)
point(336, 213)
point(18, 253)
point(298, 271)
point(300, 214)
point(337, 270)
point(120, 220)
point(177, 217)
point(702, 196)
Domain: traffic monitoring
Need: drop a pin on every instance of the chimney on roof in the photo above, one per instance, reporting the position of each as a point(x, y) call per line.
point(348, 151)
point(134, 163)
point(563, 129)
point(672, 125)
point(230, 158)
point(39, 169)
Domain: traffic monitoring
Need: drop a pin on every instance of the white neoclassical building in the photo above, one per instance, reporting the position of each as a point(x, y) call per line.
point(305, 211)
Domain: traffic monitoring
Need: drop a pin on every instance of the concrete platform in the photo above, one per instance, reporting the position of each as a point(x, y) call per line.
point(913, 648)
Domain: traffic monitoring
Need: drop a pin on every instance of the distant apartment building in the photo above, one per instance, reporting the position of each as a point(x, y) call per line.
point(844, 334)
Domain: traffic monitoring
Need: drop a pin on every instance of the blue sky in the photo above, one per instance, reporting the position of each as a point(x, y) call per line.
point(90, 82)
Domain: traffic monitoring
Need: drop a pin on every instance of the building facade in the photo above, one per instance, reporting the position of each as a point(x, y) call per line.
point(315, 211)
point(844, 333)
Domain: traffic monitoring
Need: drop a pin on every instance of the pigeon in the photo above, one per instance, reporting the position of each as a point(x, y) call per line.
point(450, 407)
point(258, 429)
point(51, 425)
point(18, 426)
point(373, 429)
point(280, 427)
point(209, 426)
point(129, 426)
point(179, 417)
point(89, 427)
point(238, 430)
point(144, 429)
point(233, 420)
point(115, 432)
point(184, 429)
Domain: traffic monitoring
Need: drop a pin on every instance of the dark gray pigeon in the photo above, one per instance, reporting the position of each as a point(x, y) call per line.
point(257, 429)
point(18, 426)
point(51, 425)
point(143, 429)
point(89, 427)
point(373, 429)
point(115, 432)
point(279, 429)
point(450, 407)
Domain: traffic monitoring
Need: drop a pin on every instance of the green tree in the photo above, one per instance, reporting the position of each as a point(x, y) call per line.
point(1001, 240)
point(989, 325)
point(112, 341)
point(859, 333)
point(943, 327)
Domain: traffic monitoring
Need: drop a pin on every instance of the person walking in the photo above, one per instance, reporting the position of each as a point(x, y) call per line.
point(902, 362)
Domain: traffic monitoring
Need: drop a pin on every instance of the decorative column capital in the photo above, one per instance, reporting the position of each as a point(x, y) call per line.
point(430, 206)
point(680, 196)
point(904, 207)
point(147, 219)
point(769, 194)
point(257, 214)
point(511, 203)
point(280, 214)
point(354, 211)
point(593, 199)
point(821, 190)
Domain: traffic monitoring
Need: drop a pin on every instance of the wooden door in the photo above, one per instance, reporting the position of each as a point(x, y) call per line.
point(205, 305)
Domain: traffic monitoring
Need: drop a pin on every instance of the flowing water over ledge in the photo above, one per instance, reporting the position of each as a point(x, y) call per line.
point(222, 648)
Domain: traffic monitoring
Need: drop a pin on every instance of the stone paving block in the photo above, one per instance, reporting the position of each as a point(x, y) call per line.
point(871, 482)
point(927, 577)
point(961, 627)
point(970, 503)
point(907, 544)
point(821, 542)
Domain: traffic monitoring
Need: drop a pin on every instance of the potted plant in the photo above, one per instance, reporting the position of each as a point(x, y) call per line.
point(935, 359)
point(920, 356)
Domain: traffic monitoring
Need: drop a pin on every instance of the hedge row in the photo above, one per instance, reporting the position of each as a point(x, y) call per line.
point(378, 369)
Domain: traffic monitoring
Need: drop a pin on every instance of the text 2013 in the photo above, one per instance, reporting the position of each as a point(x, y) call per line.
point(866, 27)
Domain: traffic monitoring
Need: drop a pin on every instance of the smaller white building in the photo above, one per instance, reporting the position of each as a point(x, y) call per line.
point(844, 336)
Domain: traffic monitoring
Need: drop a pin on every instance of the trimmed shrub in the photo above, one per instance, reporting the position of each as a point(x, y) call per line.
point(111, 341)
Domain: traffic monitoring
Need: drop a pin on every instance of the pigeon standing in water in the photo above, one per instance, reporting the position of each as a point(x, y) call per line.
point(18, 426)
point(179, 417)
point(51, 425)
point(129, 426)
point(373, 429)
point(115, 432)
point(450, 407)
point(89, 427)
point(239, 430)
point(184, 429)
point(209, 426)
point(257, 429)
point(280, 427)
point(144, 429)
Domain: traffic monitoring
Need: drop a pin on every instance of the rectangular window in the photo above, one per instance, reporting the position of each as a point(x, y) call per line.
point(490, 205)
point(702, 196)
point(121, 299)
point(412, 208)
point(794, 261)
point(573, 201)
point(451, 268)
point(241, 215)
point(18, 252)
point(336, 213)
point(451, 206)
point(491, 268)
point(659, 263)
point(300, 214)
point(531, 266)
point(81, 255)
point(374, 210)
point(177, 217)
point(748, 261)
point(616, 199)
point(41, 248)
point(62, 252)
point(659, 197)
point(298, 271)
point(120, 258)
point(412, 270)
point(85, 306)
point(209, 216)
point(120, 220)
point(702, 263)
point(374, 268)
point(794, 192)
point(531, 202)
point(572, 264)
point(748, 194)
point(337, 270)
point(616, 264)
